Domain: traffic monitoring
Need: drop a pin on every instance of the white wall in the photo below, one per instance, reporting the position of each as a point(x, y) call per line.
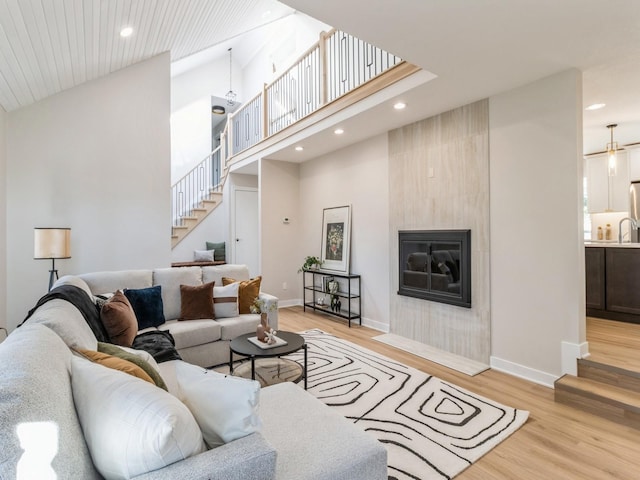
point(358, 176)
point(191, 94)
point(282, 252)
point(281, 44)
point(537, 257)
point(95, 158)
point(3, 219)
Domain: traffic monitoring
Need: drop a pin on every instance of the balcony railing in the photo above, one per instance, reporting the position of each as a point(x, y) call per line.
point(336, 65)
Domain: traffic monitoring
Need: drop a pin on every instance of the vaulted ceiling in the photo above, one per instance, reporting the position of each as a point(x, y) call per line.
point(47, 46)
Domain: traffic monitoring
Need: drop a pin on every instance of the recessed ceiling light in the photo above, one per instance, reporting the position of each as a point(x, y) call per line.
point(595, 106)
point(126, 31)
point(338, 131)
point(299, 148)
point(400, 105)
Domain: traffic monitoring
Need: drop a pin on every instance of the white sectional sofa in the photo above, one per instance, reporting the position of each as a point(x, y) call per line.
point(42, 434)
point(202, 342)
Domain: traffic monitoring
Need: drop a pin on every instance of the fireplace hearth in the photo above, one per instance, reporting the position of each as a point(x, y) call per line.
point(435, 265)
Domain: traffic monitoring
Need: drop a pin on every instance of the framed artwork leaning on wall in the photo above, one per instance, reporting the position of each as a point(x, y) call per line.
point(336, 238)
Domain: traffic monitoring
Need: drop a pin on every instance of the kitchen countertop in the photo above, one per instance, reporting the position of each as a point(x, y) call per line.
point(611, 244)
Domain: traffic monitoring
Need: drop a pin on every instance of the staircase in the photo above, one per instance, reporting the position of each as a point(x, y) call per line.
point(317, 79)
point(607, 387)
point(198, 193)
point(198, 214)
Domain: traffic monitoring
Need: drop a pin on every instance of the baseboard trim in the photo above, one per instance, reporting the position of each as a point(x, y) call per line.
point(520, 371)
point(375, 325)
point(289, 303)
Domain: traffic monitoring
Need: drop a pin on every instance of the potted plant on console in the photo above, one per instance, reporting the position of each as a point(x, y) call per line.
point(310, 263)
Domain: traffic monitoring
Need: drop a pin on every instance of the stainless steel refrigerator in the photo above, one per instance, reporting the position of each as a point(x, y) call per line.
point(634, 209)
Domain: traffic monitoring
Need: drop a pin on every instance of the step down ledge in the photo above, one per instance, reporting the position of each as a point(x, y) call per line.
point(588, 362)
point(605, 365)
point(591, 389)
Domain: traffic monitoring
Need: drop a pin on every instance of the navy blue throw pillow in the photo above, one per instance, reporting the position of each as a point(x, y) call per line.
point(147, 305)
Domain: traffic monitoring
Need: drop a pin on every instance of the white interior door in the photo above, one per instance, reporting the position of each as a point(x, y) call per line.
point(246, 229)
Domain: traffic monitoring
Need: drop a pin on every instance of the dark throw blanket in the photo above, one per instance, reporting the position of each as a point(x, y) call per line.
point(159, 344)
point(82, 301)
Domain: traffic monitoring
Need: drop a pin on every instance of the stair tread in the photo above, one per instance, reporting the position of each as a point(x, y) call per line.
point(611, 365)
point(595, 389)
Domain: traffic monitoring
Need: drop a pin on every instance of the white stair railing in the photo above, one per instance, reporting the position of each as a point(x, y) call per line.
point(202, 180)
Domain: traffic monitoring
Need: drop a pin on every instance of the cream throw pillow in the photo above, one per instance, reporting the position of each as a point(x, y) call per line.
point(131, 427)
point(225, 407)
point(225, 300)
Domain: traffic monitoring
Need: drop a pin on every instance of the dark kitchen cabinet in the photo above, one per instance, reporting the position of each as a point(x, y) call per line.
point(612, 277)
point(594, 273)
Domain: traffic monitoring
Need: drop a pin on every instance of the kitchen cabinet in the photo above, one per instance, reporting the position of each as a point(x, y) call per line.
point(594, 274)
point(605, 192)
point(612, 276)
point(634, 163)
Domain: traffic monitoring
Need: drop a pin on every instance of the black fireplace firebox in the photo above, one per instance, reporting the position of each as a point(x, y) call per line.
point(436, 265)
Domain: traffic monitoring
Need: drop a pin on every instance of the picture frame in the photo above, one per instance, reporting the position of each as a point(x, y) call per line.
point(336, 238)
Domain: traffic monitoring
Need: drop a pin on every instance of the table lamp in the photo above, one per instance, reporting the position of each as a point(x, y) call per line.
point(52, 243)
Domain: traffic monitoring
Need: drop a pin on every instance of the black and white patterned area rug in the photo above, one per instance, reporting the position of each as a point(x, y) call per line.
point(431, 429)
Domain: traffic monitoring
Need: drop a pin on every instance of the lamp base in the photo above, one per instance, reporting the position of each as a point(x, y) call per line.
point(53, 276)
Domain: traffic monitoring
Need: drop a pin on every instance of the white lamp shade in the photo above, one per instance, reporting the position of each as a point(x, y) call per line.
point(52, 243)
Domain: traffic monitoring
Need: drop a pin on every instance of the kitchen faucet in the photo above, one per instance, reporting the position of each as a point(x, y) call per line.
point(632, 224)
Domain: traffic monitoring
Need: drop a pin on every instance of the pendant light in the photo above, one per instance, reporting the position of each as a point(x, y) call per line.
point(612, 150)
point(230, 96)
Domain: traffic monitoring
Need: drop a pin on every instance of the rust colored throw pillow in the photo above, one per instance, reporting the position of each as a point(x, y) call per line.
point(119, 320)
point(196, 302)
point(249, 290)
point(117, 364)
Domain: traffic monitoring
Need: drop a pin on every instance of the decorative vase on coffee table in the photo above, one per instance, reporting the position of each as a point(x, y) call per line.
point(263, 328)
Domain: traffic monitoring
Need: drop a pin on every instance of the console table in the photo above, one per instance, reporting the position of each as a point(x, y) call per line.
point(344, 303)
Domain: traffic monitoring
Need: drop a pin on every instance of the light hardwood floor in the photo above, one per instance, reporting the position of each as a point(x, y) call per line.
point(557, 442)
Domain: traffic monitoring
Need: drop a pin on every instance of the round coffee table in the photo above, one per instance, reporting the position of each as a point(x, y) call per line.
point(242, 346)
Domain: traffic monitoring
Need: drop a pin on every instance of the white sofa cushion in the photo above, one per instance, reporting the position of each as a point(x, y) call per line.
point(109, 282)
point(236, 326)
point(131, 426)
point(41, 434)
point(214, 273)
point(192, 332)
point(225, 407)
point(170, 279)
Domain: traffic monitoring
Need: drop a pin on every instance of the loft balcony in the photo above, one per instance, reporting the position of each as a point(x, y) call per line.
point(336, 74)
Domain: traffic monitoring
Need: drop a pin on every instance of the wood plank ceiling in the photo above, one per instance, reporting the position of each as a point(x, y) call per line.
point(47, 46)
